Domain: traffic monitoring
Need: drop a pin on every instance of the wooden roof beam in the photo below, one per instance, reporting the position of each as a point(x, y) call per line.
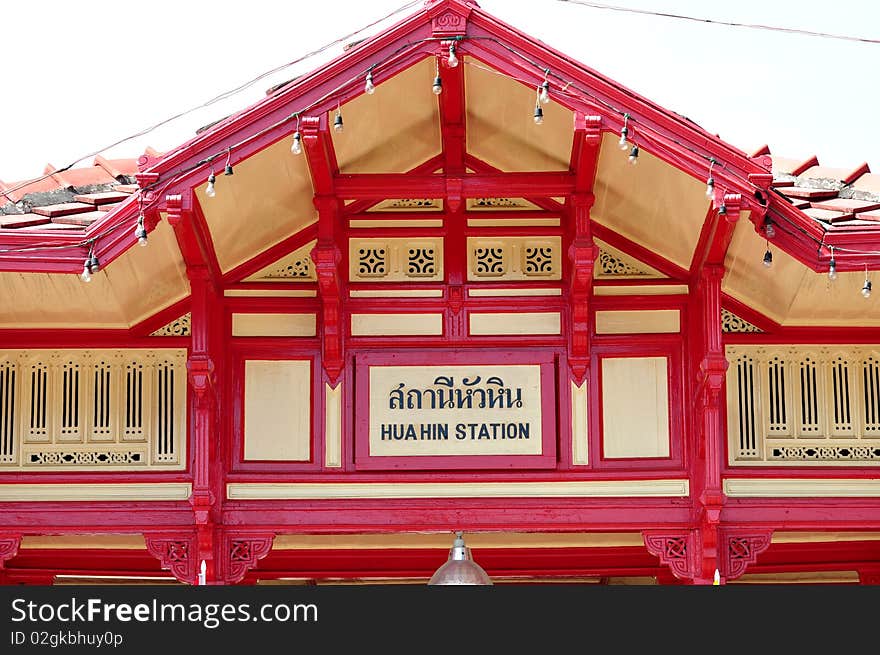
point(716, 234)
point(379, 186)
point(452, 114)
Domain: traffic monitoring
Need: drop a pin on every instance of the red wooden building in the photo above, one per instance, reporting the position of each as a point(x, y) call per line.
point(466, 310)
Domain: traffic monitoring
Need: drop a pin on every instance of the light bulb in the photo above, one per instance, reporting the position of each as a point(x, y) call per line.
point(368, 86)
point(710, 187)
point(768, 258)
point(539, 115)
point(209, 190)
point(94, 264)
point(228, 169)
point(866, 290)
point(769, 230)
point(296, 146)
point(337, 122)
point(622, 142)
point(453, 60)
point(545, 92)
point(832, 269)
point(140, 232)
point(438, 86)
point(87, 273)
point(634, 155)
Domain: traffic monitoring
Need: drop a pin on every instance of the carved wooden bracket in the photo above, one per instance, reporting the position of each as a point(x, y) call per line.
point(176, 553)
point(582, 252)
point(200, 373)
point(676, 550)
point(740, 549)
point(9, 545)
point(241, 553)
point(326, 257)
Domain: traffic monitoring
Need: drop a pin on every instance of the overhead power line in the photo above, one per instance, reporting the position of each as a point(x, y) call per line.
point(712, 21)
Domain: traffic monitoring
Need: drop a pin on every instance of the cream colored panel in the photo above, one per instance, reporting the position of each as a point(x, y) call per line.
point(96, 541)
point(653, 204)
point(333, 426)
point(138, 284)
point(510, 323)
point(389, 222)
point(635, 407)
point(677, 488)
point(580, 445)
point(442, 540)
point(799, 577)
point(270, 293)
point(97, 492)
point(296, 266)
point(661, 321)
point(396, 293)
point(513, 222)
point(409, 205)
point(500, 127)
point(396, 260)
point(277, 410)
point(640, 290)
point(510, 259)
point(377, 325)
point(394, 129)
point(801, 488)
point(273, 325)
point(525, 291)
point(499, 204)
point(268, 199)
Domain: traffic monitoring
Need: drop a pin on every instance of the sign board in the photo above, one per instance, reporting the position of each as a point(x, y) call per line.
point(461, 415)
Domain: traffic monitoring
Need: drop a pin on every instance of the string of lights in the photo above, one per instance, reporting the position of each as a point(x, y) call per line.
point(631, 129)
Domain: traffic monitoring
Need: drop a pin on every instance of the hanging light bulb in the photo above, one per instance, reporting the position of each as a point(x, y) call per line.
point(832, 266)
point(634, 155)
point(710, 181)
point(296, 146)
point(94, 264)
point(769, 230)
point(140, 232)
point(768, 257)
point(460, 568)
point(539, 115)
point(438, 86)
point(227, 170)
point(452, 61)
point(866, 289)
point(623, 132)
point(337, 121)
point(368, 86)
point(209, 190)
point(544, 95)
point(86, 275)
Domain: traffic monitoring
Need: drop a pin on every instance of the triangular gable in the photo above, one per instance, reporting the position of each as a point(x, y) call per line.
point(296, 266)
point(614, 264)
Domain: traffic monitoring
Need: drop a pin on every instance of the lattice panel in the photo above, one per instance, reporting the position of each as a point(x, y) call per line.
point(730, 322)
point(176, 328)
point(508, 259)
point(806, 405)
point(92, 409)
point(296, 266)
point(396, 260)
point(408, 205)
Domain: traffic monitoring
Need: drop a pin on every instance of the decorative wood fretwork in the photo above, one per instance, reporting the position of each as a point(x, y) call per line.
point(740, 549)
point(804, 405)
point(296, 266)
point(408, 205)
point(514, 258)
point(396, 260)
point(9, 545)
point(609, 265)
point(176, 553)
point(477, 204)
point(92, 409)
point(674, 550)
point(241, 553)
point(730, 322)
point(177, 328)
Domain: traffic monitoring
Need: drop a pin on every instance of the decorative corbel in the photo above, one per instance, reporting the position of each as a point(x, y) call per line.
point(176, 553)
point(9, 545)
point(326, 257)
point(582, 252)
point(740, 549)
point(241, 553)
point(677, 550)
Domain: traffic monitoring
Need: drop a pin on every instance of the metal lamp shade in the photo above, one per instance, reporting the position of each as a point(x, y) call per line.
point(460, 569)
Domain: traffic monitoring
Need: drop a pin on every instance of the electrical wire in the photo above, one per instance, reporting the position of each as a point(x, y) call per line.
point(711, 21)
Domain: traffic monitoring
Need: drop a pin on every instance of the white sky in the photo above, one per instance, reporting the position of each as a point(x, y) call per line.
point(79, 76)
